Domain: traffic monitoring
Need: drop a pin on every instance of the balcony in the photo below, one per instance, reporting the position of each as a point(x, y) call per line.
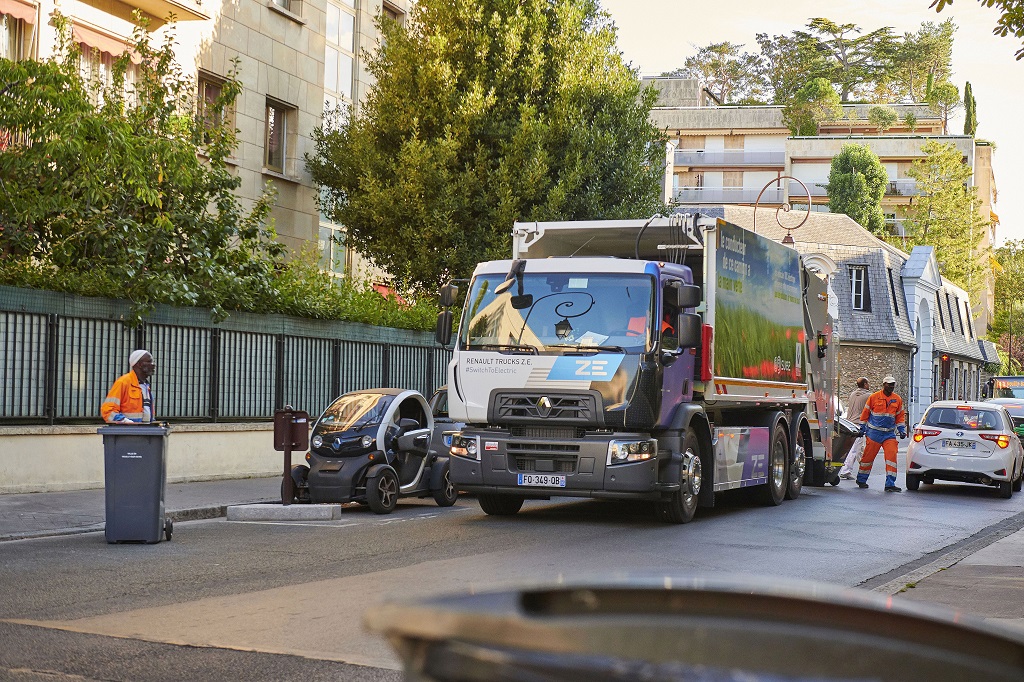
point(183, 10)
point(729, 157)
point(726, 195)
point(902, 188)
point(817, 189)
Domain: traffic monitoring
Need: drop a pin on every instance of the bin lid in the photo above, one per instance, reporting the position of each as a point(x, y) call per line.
point(157, 429)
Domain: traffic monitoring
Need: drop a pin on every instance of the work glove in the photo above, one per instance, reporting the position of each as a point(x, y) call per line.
point(863, 431)
point(902, 431)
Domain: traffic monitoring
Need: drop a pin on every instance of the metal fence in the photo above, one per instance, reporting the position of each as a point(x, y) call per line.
point(56, 368)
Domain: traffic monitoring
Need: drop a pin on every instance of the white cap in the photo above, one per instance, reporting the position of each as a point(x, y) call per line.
point(136, 356)
point(889, 380)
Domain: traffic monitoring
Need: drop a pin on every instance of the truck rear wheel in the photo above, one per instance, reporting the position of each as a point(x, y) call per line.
point(499, 505)
point(774, 490)
point(797, 467)
point(683, 503)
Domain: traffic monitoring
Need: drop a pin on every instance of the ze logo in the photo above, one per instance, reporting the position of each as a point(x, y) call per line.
point(592, 368)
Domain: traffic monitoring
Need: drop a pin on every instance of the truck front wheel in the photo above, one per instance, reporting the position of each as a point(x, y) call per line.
point(774, 489)
point(499, 505)
point(681, 507)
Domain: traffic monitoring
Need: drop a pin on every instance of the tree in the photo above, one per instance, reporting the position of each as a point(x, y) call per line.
point(133, 193)
point(485, 112)
point(857, 60)
point(1011, 18)
point(910, 121)
point(728, 73)
point(970, 111)
point(882, 117)
point(928, 53)
point(787, 62)
point(815, 102)
point(856, 185)
point(1008, 323)
point(944, 99)
point(947, 215)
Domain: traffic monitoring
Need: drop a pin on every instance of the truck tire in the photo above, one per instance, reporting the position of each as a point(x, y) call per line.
point(382, 491)
point(499, 505)
point(774, 490)
point(797, 467)
point(681, 507)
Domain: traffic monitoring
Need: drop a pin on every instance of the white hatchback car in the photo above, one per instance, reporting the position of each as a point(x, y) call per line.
point(969, 442)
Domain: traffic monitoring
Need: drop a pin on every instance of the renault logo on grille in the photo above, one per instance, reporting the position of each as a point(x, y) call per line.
point(544, 406)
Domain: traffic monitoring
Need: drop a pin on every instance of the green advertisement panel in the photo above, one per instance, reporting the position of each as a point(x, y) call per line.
point(759, 331)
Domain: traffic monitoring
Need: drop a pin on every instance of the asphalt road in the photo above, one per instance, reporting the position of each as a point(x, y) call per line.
point(260, 601)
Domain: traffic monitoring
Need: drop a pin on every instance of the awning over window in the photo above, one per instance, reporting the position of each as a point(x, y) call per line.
point(94, 39)
point(19, 10)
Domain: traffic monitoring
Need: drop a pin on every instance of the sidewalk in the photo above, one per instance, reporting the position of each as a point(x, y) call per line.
point(34, 515)
point(982, 578)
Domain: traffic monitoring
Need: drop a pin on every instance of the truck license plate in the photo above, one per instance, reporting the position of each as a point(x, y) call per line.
point(547, 480)
point(962, 444)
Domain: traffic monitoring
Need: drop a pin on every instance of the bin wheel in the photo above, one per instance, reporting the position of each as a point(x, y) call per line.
point(168, 529)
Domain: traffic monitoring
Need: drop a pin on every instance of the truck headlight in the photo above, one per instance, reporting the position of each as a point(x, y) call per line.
point(318, 441)
point(465, 446)
point(621, 451)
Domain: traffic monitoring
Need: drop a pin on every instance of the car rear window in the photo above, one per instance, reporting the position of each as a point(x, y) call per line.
point(969, 420)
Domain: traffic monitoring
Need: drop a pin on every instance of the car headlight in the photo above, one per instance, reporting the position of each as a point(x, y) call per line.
point(367, 441)
point(317, 441)
point(621, 451)
point(465, 446)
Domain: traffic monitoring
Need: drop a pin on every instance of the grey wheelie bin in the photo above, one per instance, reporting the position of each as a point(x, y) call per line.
point(135, 478)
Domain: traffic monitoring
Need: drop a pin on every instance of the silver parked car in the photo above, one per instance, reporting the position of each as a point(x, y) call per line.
point(968, 442)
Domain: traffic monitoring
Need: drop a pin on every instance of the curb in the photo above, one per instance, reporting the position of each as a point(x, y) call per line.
point(895, 581)
point(177, 515)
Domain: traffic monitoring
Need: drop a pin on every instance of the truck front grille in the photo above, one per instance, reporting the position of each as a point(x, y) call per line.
point(546, 432)
point(544, 457)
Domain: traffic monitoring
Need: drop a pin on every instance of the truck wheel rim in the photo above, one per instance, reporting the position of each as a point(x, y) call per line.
point(778, 464)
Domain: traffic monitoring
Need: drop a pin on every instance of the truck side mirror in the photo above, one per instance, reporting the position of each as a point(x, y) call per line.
point(443, 331)
point(690, 326)
point(449, 292)
point(689, 296)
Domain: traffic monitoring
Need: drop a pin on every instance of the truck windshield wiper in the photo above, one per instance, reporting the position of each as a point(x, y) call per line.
point(587, 348)
point(507, 347)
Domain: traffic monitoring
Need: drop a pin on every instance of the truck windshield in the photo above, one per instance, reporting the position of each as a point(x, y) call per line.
point(559, 313)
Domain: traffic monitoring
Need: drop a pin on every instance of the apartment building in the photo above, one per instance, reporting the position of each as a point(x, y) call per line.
point(294, 58)
point(746, 155)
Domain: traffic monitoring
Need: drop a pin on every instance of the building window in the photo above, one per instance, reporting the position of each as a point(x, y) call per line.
point(952, 317)
point(970, 322)
point(340, 56)
point(333, 253)
point(286, 5)
point(15, 37)
point(275, 156)
point(895, 298)
point(860, 296)
point(391, 12)
point(209, 113)
point(938, 306)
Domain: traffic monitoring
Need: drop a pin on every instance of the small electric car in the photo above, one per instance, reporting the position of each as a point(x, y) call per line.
point(375, 446)
point(968, 442)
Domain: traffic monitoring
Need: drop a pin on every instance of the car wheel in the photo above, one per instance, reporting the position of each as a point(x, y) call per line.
point(1005, 489)
point(681, 507)
point(774, 490)
point(446, 495)
point(382, 491)
point(913, 481)
point(499, 505)
point(797, 468)
point(1020, 478)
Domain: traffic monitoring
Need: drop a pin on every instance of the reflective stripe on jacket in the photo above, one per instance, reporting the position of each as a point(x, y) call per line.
point(124, 400)
point(883, 414)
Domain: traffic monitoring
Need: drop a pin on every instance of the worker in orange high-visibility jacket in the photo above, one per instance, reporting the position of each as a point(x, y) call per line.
point(882, 418)
point(130, 399)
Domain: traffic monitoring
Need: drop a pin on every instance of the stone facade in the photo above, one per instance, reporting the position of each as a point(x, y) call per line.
point(873, 362)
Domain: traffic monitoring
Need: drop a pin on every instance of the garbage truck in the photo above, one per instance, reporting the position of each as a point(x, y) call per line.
point(665, 360)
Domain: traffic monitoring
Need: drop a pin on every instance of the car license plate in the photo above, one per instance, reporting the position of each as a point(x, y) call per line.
point(547, 480)
point(962, 444)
